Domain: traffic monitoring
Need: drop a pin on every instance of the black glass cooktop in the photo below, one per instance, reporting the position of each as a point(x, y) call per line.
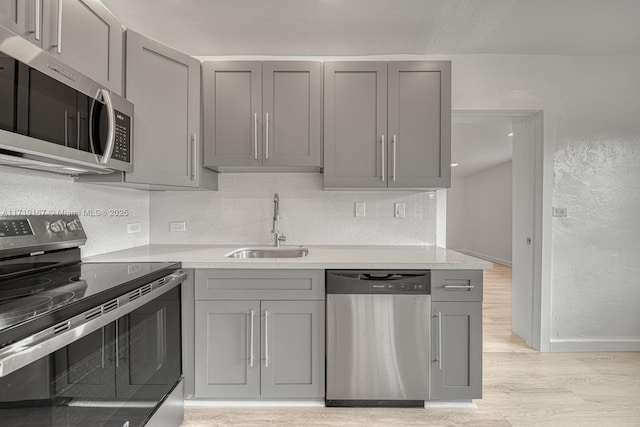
point(32, 302)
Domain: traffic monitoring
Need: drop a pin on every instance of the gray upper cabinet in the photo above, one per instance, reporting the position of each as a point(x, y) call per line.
point(419, 120)
point(81, 33)
point(23, 17)
point(355, 121)
point(403, 142)
point(261, 115)
point(164, 86)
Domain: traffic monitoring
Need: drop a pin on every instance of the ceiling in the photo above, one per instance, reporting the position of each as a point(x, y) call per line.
point(369, 27)
point(479, 142)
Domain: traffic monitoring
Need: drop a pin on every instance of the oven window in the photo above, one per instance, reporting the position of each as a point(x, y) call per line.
point(116, 374)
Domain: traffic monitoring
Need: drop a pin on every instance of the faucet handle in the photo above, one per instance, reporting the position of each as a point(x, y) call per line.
point(282, 238)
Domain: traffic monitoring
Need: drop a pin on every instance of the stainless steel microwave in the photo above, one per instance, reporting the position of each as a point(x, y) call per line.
point(54, 118)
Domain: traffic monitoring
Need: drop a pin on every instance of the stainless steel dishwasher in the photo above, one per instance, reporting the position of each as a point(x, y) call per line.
point(378, 325)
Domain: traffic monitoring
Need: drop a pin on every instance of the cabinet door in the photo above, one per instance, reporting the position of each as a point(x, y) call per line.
point(85, 369)
point(419, 149)
point(148, 365)
point(227, 361)
point(22, 17)
point(164, 86)
point(232, 113)
point(86, 36)
point(293, 349)
point(291, 111)
point(456, 362)
point(355, 124)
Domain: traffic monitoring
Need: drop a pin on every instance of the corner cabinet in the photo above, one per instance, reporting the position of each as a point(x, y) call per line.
point(387, 125)
point(81, 33)
point(456, 348)
point(164, 86)
point(262, 116)
point(271, 346)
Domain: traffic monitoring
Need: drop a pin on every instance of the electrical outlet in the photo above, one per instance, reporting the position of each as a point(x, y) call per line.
point(177, 226)
point(399, 210)
point(359, 209)
point(559, 212)
point(134, 227)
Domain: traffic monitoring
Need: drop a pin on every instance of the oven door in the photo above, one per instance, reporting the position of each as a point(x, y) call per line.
point(115, 376)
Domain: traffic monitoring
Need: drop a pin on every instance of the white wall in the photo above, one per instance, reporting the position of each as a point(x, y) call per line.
point(22, 190)
point(241, 212)
point(479, 214)
point(592, 131)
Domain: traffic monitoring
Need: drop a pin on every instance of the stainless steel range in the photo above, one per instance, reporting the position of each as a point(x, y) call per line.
point(84, 343)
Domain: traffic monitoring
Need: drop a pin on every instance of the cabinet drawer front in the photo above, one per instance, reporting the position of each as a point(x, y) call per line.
point(456, 285)
point(260, 284)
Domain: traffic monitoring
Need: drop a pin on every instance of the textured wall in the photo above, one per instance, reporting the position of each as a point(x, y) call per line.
point(479, 221)
point(30, 190)
point(241, 212)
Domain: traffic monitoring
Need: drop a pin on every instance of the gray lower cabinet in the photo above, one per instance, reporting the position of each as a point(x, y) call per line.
point(164, 86)
point(456, 348)
point(262, 115)
point(259, 349)
point(387, 125)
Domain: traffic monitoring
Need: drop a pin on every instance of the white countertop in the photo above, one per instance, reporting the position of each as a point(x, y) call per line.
point(320, 257)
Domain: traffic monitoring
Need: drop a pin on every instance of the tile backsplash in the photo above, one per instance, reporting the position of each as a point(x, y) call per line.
point(241, 212)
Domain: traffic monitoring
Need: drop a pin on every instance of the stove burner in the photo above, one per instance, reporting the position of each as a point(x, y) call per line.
point(18, 288)
point(18, 310)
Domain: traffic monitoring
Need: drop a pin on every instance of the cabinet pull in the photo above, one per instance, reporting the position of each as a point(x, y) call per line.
point(194, 156)
point(37, 5)
point(382, 162)
point(58, 45)
point(251, 355)
point(255, 136)
point(266, 136)
point(459, 286)
point(266, 339)
point(394, 157)
point(439, 340)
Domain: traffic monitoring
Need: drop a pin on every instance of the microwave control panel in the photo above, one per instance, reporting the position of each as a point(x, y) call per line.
point(122, 146)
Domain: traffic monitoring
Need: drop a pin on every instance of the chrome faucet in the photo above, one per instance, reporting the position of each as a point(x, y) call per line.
point(279, 237)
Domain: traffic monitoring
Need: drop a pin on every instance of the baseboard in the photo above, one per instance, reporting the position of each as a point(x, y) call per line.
point(589, 345)
point(485, 257)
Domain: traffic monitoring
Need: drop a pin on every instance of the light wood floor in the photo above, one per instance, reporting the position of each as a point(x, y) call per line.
point(521, 387)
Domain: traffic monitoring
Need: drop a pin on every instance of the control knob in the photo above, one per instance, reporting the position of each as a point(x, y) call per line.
point(57, 226)
point(74, 225)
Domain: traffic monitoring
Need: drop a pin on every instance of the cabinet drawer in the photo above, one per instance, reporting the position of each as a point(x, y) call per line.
point(456, 285)
point(260, 284)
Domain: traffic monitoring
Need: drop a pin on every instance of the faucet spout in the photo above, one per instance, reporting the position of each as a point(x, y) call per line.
point(279, 237)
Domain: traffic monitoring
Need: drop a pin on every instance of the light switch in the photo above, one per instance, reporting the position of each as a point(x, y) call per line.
point(359, 209)
point(133, 227)
point(399, 210)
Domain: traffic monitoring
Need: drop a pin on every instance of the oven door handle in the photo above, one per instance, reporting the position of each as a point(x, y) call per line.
point(28, 350)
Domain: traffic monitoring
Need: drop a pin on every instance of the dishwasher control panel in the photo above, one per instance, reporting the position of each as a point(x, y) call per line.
point(378, 282)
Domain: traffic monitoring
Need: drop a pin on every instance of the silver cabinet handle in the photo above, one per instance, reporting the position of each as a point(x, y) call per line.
point(194, 156)
point(266, 136)
point(37, 5)
point(382, 162)
point(58, 45)
point(251, 355)
point(459, 286)
point(255, 136)
point(266, 339)
point(394, 157)
point(439, 340)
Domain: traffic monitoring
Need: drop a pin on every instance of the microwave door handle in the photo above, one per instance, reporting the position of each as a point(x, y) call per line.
point(111, 134)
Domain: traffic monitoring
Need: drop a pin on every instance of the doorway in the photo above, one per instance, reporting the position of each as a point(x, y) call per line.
point(494, 212)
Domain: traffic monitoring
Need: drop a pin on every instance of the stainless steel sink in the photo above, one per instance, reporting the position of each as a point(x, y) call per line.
point(268, 253)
